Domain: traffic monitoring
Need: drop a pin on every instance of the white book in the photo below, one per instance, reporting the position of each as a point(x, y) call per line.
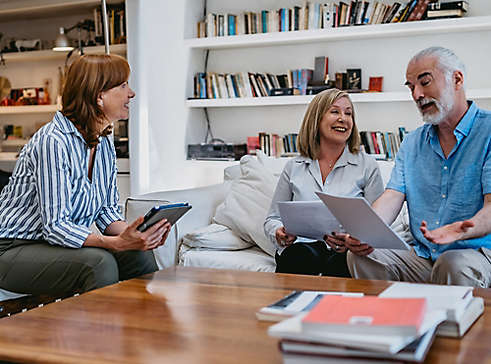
point(362, 222)
point(247, 84)
point(291, 329)
point(460, 327)
point(452, 299)
point(302, 352)
point(230, 86)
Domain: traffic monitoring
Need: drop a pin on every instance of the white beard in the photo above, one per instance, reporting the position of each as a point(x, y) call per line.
point(444, 105)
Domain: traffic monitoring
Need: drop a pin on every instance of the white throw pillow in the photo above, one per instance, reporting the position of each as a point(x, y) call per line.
point(247, 204)
point(273, 165)
point(215, 236)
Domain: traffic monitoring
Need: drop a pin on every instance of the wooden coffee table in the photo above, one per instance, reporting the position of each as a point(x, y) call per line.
point(193, 315)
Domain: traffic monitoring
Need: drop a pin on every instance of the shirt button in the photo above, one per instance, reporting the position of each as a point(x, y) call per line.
point(434, 250)
point(438, 222)
point(443, 196)
point(445, 168)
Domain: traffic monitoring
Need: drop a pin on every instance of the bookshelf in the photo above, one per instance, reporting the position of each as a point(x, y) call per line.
point(168, 121)
point(41, 19)
point(376, 31)
point(368, 97)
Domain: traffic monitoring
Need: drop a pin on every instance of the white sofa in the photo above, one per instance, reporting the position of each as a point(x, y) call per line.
point(241, 203)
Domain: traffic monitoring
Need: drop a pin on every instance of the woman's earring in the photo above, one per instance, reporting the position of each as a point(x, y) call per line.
point(100, 103)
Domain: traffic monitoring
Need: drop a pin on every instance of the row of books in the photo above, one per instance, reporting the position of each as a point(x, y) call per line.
point(383, 144)
point(273, 144)
point(211, 85)
point(311, 16)
point(116, 21)
point(398, 325)
point(452, 9)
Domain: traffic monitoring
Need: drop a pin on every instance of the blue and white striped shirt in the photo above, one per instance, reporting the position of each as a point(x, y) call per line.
point(50, 197)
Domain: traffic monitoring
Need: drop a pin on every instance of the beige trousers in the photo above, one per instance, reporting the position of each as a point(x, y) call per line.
point(463, 267)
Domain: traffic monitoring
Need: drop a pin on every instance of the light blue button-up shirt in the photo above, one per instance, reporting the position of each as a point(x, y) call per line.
point(443, 190)
point(50, 196)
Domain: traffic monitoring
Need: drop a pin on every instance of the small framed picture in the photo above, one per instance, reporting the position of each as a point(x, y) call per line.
point(354, 78)
point(375, 84)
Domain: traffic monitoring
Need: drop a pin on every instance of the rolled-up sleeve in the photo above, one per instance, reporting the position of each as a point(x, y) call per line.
point(283, 192)
point(374, 186)
point(397, 180)
point(54, 191)
point(110, 213)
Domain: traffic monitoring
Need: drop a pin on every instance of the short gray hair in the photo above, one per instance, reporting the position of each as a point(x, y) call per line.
point(447, 60)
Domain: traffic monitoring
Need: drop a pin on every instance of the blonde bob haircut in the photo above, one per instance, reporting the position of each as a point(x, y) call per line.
point(87, 77)
point(309, 135)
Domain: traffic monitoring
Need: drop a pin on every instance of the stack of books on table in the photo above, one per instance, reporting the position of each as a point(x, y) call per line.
point(461, 307)
point(364, 329)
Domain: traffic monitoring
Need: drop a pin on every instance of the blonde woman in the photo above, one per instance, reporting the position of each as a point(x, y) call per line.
point(65, 180)
point(330, 161)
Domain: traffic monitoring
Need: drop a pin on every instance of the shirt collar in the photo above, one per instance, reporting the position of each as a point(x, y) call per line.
point(346, 158)
point(67, 127)
point(463, 127)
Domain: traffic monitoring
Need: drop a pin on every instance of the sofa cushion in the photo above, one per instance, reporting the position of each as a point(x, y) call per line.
point(215, 236)
point(246, 205)
point(252, 259)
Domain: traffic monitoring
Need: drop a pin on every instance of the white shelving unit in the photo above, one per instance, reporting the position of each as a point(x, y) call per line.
point(41, 19)
point(48, 54)
point(167, 121)
point(28, 109)
point(367, 97)
point(378, 31)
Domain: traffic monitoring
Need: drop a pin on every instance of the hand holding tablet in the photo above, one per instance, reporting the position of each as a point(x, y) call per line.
point(171, 212)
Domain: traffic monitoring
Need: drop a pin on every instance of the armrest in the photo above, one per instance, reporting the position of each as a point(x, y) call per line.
point(204, 201)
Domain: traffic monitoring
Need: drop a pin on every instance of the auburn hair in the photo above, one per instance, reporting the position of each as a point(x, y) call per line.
point(309, 135)
point(87, 77)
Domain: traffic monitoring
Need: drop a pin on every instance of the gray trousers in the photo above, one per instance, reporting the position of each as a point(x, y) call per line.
point(462, 267)
point(36, 267)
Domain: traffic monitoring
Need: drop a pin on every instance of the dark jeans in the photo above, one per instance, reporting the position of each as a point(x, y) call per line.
point(36, 267)
point(312, 259)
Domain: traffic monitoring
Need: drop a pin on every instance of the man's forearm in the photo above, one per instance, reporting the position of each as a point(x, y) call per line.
point(101, 241)
point(388, 205)
point(481, 220)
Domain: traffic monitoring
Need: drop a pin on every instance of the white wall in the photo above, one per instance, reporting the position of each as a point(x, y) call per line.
point(161, 125)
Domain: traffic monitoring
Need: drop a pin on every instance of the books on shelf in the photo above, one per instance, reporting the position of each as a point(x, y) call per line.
point(273, 144)
point(294, 303)
point(319, 15)
point(213, 85)
point(367, 315)
point(382, 144)
point(116, 21)
point(458, 303)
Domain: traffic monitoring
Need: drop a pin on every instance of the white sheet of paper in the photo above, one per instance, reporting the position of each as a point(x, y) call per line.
point(361, 221)
point(310, 219)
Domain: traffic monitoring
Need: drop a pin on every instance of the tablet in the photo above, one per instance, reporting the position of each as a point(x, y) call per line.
point(172, 212)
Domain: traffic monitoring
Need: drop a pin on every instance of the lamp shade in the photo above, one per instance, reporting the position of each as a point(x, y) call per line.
point(61, 43)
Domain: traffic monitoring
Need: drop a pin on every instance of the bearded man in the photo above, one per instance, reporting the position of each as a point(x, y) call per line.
point(443, 171)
